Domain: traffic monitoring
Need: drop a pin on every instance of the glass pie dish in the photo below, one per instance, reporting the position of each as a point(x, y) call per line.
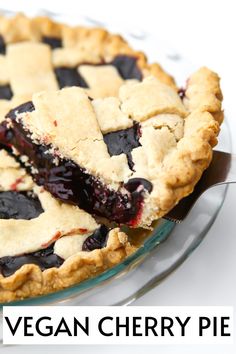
point(167, 245)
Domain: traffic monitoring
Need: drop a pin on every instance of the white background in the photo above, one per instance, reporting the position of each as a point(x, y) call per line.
point(205, 32)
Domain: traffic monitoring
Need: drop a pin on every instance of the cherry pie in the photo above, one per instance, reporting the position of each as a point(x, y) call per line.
point(89, 131)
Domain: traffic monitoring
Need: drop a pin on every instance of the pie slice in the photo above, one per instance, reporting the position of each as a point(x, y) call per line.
point(128, 159)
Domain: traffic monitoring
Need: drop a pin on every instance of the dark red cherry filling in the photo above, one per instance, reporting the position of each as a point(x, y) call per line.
point(44, 259)
point(97, 240)
point(53, 42)
point(123, 141)
point(5, 92)
point(127, 67)
point(2, 45)
point(69, 77)
point(134, 183)
point(19, 205)
point(182, 92)
point(71, 183)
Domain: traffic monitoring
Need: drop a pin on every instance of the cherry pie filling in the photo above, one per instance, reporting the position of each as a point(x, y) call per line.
point(2, 46)
point(19, 205)
point(53, 42)
point(5, 92)
point(44, 259)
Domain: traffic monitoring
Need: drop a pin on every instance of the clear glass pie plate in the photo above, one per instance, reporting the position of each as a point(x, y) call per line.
point(168, 245)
